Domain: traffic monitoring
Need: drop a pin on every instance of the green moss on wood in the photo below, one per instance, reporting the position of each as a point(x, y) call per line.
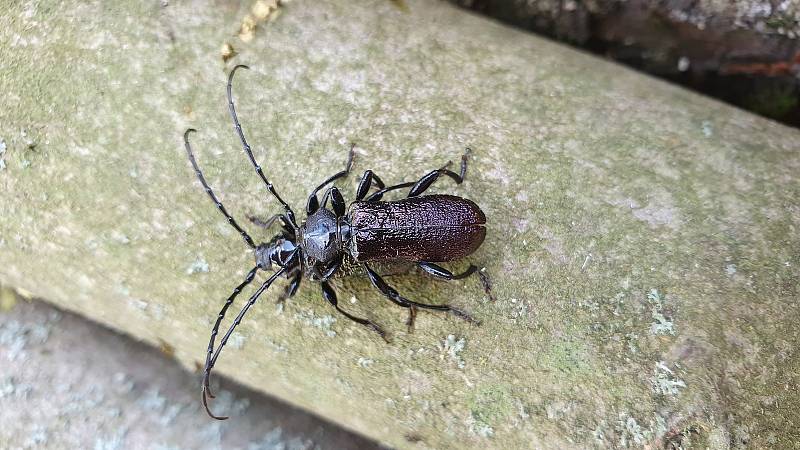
point(600, 186)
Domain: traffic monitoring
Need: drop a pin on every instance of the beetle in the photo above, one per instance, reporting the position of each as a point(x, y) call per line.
point(423, 229)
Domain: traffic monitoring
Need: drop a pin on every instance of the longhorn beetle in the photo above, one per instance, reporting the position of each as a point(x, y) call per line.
point(423, 229)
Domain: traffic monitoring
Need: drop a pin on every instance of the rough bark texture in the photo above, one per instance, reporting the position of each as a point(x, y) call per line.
point(643, 241)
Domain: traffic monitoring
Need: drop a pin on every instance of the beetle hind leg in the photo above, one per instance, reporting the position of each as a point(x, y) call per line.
point(392, 294)
point(444, 274)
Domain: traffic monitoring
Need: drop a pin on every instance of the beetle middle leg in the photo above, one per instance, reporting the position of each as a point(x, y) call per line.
point(440, 272)
point(392, 294)
point(421, 185)
point(330, 295)
point(426, 181)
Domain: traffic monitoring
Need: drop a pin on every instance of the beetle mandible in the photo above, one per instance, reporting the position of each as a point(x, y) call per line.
point(423, 229)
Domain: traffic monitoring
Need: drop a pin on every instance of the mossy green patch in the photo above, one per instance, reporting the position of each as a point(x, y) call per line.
point(599, 185)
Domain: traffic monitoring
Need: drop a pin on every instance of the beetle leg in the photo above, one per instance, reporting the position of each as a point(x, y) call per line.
point(398, 299)
point(377, 195)
point(444, 274)
point(426, 181)
point(367, 180)
point(412, 317)
point(291, 288)
point(330, 295)
point(312, 204)
point(287, 228)
point(336, 200)
point(330, 270)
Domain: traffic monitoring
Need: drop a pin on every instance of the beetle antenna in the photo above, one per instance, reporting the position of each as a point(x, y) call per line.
point(220, 316)
point(210, 192)
point(246, 146)
point(212, 360)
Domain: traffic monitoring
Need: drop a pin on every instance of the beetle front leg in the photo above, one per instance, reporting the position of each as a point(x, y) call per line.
point(337, 201)
point(444, 274)
point(367, 180)
point(312, 204)
point(291, 288)
point(390, 293)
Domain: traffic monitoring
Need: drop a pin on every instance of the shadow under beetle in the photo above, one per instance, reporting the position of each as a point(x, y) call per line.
point(423, 229)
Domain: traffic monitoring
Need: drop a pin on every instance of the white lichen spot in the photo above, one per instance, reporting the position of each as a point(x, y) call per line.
point(353, 300)
point(479, 428)
point(662, 324)
point(664, 381)
point(199, 265)
point(632, 338)
point(277, 347)
point(683, 64)
point(659, 211)
point(452, 347)
point(274, 439)
point(630, 432)
point(124, 383)
point(2, 153)
point(708, 131)
point(236, 340)
point(365, 362)
point(120, 237)
point(37, 439)
point(519, 310)
point(730, 270)
point(483, 430)
point(138, 304)
point(114, 442)
point(15, 337)
point(598, 433)
point(227, 401)
point(322, 322)
point(11, 387)
point(152, 400)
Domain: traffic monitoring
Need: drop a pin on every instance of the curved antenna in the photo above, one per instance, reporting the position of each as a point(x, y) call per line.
point(213, 360)
point(220, 316)
point(210, 193)
point(246, 146)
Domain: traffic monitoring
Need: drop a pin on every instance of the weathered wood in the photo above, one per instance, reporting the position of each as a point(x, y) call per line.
point(643, 241)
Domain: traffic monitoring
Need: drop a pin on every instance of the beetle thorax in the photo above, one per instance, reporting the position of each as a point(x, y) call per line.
point(320, 236)
point(276, 252)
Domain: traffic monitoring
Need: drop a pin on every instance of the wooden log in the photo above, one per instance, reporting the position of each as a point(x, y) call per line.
point(642, 240)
